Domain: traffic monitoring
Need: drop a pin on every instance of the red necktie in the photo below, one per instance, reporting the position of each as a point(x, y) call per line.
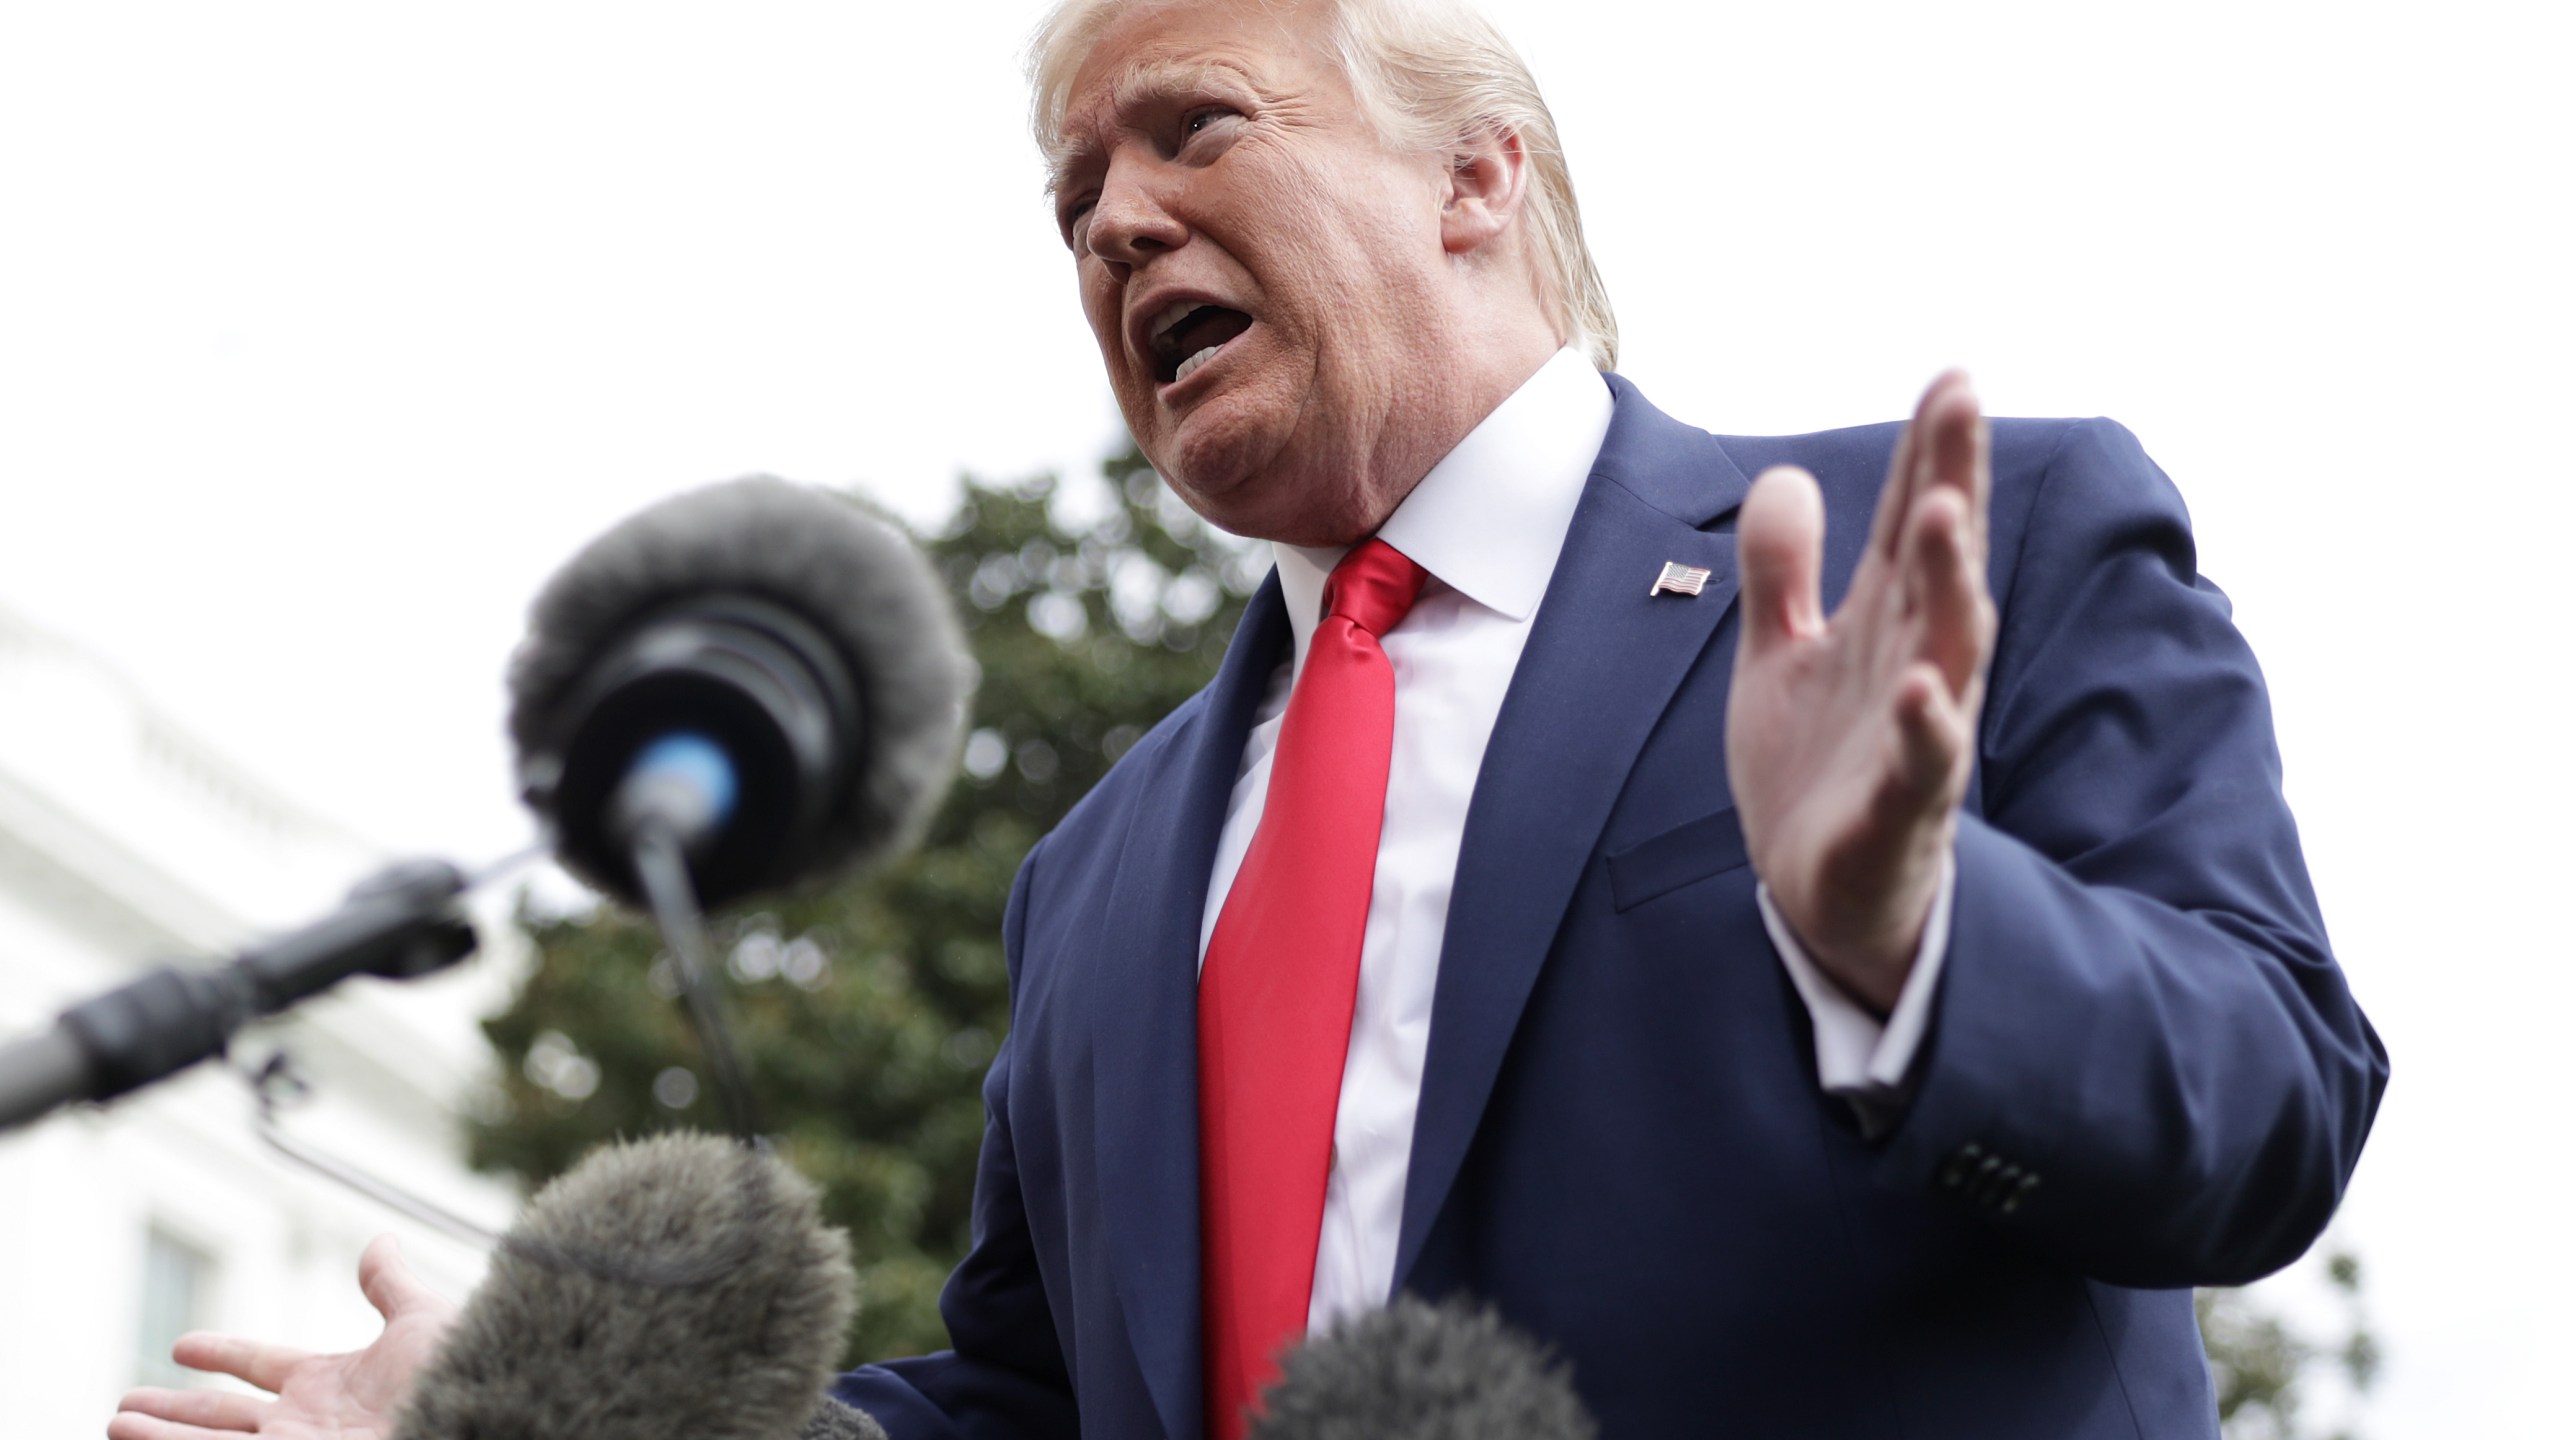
point(1277, 988)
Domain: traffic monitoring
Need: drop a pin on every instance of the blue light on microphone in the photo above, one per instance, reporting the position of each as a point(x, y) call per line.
point(695, 762)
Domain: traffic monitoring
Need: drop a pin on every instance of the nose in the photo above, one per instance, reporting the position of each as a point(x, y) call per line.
point(1131, 219)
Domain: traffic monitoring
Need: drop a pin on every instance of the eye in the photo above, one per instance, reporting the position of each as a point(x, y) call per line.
point(1071, 219)
point(1195, 121)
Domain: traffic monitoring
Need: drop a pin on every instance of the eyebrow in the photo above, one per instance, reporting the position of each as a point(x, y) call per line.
point(1145, 84)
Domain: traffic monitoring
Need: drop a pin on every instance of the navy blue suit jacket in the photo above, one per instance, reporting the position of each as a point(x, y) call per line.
point(2145, 1071)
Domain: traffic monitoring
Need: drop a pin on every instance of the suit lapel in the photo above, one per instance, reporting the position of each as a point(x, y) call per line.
point(1145, 1020)
point(1551, 775)
point(1603, 660)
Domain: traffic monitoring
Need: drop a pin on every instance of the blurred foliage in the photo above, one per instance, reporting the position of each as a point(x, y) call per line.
point(2262, 1368)
point(867, 1012)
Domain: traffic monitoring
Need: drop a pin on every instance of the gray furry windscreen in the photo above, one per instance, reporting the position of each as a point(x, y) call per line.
point(549, 1351)
point(1417, 1371)
point(827, 559)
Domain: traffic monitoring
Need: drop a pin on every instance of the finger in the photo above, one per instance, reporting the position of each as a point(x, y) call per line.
point(210, 1409)
point(389, 1283)
point(1958, 443)
point(1780, 549)
point(255, 1361)
point(135, 1425)
point(1947, 594)
point(1905, 477)
point(1929, 739)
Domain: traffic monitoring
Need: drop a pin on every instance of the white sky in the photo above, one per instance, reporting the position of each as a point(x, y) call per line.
point(327, 330)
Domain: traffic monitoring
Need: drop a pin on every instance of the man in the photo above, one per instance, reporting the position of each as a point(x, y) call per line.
point(1803, 1019)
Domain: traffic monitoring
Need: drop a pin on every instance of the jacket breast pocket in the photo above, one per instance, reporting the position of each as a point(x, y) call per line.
point(1681, 855)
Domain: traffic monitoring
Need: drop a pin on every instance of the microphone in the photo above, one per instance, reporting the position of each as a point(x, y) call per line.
point(766, 673)
point(1415, 1371)
point(836, 1420)
point(677, 1288)
point(400, 924)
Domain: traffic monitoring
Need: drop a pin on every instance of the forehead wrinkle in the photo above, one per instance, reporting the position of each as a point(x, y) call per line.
point(1140, 85)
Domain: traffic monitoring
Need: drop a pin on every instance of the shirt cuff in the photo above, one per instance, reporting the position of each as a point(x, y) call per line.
point(1865, 1061)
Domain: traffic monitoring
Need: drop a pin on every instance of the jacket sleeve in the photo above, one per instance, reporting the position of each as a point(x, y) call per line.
point(1005, 1377)
point(2144, 1061)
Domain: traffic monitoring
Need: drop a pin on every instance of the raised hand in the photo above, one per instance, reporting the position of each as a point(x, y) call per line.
point(1850, 739)
point(352, 1396)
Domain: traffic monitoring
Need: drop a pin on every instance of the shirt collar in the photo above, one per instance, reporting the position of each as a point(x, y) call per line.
point(1489, 520)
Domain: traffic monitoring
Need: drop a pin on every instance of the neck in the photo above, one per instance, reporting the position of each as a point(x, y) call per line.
point(1468, 395)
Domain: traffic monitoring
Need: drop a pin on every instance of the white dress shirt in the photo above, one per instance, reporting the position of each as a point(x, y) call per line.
point(1488, 522)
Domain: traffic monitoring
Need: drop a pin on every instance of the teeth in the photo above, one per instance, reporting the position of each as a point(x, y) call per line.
point(1171, 318)
point(1194, 363)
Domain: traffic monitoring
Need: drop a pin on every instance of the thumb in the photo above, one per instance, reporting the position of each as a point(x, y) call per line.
point(390, 1284)
point(1780, 549)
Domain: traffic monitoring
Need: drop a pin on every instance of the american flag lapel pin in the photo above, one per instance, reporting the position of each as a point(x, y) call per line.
point(1679, 578)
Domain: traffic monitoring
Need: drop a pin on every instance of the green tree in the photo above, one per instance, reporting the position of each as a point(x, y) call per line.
point(2261, 1365)
point(867, 1012)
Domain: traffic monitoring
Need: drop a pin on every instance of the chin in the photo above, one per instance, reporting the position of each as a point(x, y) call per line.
point(1234, 462)
point(1291, 514)
point(1235, 478)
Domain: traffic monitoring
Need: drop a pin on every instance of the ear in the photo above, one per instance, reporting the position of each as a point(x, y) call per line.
point(1488, 182)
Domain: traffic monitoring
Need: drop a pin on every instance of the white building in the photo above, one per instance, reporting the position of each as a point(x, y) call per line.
point(123, 843)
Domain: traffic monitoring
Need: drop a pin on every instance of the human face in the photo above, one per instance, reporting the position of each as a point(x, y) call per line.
point(1265, 277)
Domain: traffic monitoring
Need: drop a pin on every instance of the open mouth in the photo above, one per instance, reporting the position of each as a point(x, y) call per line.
point(1186, 336)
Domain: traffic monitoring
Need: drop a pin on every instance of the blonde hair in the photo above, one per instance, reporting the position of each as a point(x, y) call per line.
point(1429, 75)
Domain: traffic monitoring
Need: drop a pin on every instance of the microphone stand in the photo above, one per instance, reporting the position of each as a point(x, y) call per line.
point(401, 923)
point(658, 861)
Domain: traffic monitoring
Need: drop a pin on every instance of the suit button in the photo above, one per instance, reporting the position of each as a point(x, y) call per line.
point(1953, 1171)
point(1996, 1185)
point(2026, 1182)
point(1985, 1180)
